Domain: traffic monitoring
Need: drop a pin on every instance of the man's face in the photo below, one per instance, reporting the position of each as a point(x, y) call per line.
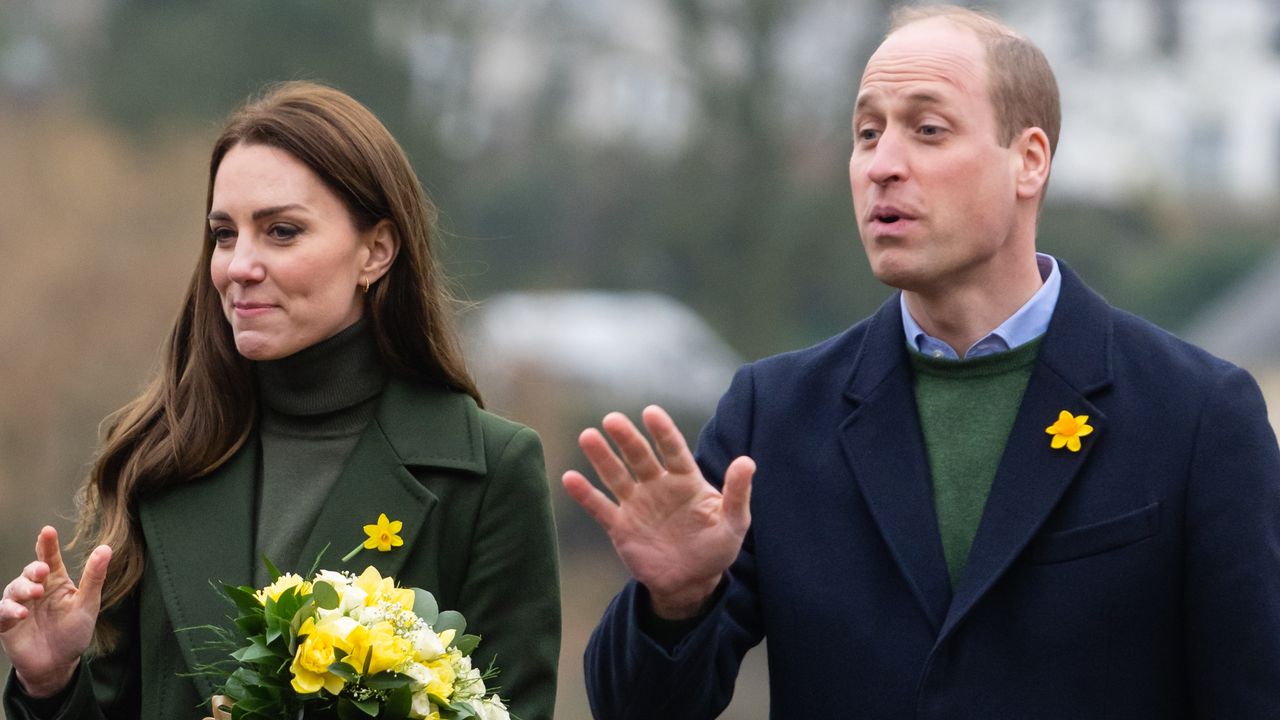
point(933, 189)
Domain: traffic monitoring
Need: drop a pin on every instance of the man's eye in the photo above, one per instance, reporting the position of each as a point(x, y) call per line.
point(930, 130)
point(868, 134)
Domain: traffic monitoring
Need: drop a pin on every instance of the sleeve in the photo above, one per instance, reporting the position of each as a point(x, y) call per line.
point(105, 686)
point(1232, 583)
point(632, 675)
point(512, 589)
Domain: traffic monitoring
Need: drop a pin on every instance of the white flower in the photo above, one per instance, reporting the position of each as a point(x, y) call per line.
point(422, 706)
point(421, 674)
point(491, 708)
point(426, 643)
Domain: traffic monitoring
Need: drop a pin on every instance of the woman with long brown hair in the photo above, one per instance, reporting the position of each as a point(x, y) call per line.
point(312, 381)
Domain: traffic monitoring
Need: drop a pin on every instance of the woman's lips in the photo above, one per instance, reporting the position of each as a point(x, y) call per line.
point(251, 309)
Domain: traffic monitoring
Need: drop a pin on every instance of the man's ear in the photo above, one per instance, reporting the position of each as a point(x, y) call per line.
point(382, 243)
point(1033, 161)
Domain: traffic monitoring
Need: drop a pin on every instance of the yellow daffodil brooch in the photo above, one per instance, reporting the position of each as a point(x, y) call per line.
point(1068, 430)
point(382, 535)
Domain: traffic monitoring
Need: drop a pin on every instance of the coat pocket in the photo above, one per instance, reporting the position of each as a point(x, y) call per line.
point(1099, 537)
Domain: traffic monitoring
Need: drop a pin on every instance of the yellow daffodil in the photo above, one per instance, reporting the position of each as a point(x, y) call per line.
point(1068, 430)
point(378, 649)
point(282, 583)
point(311, 663)
point(443, 675)
point(382, 536)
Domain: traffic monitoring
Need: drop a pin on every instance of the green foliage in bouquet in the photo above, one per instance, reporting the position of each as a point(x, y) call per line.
point(346, 647)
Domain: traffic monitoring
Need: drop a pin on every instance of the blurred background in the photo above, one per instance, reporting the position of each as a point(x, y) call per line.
point(636, 196)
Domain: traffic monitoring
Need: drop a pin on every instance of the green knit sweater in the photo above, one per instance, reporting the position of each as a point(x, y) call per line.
point(967, 408)
point(315, 405)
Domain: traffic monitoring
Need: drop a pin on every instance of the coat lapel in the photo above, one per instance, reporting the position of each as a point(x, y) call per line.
point(414, 426)
point(202, 532)
point(1074, 363)
point(885, 449)
point(198, 534)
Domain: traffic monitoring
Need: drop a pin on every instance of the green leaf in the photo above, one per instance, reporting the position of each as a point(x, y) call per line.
point(466, 644)
point(316, 565)
point(387, 680)
point(245, 599)
point(450, 620)
point(271, 568)
point(254, 653)
point(325, 596)
point(399, 703)
point(368, 707)
point(425, 606)
point(343, 670)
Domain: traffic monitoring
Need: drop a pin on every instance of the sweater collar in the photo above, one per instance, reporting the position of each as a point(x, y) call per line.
point(334, 374)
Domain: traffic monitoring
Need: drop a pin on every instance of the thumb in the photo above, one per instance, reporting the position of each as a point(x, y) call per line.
point(737, 493)
point(93, 576)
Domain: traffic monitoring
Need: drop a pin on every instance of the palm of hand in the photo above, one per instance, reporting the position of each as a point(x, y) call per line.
point(676, 533)
point(670, 530)
point(56, 632)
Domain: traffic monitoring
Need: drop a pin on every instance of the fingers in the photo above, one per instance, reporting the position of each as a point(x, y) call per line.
point(635, 448)
point(94, 574)
point(667, 438)
point(596, 503)
point(24, 589)
point(48, 551)
point(612, 472)
point(11, 613)
point(737, 493)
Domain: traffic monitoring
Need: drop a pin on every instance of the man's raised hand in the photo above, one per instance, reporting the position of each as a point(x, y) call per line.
point(675, 532)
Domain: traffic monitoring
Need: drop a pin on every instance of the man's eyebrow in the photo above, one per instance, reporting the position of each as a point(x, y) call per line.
point(259, 214)
point(915, 98)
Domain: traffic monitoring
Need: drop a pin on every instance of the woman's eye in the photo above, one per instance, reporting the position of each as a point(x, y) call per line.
point(283, 232)
point(222, 235)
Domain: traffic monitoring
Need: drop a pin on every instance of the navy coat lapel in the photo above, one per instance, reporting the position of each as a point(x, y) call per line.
point(885, 450)
point(1075, 363)
point(200, 533)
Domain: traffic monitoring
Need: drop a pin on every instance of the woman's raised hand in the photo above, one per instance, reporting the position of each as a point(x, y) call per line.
point(46, 622)
point(675, 532)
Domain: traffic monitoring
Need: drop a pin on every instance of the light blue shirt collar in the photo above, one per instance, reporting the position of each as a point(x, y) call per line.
point(1028, 323)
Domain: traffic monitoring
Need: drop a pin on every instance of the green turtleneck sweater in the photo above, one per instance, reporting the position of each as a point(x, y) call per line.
point(967, 408)
point(315, 404)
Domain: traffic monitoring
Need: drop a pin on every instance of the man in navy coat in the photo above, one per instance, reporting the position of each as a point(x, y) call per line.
point(998, 497)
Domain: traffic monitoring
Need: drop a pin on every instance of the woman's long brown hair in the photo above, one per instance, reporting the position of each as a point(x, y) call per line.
point(201, 406)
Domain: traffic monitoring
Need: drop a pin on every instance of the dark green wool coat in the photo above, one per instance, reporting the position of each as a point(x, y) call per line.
point(471, 491)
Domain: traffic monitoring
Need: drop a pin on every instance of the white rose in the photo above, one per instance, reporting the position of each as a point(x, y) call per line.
point(491, 708)
point(421, 706)
point(426, 644)
point(421, 675)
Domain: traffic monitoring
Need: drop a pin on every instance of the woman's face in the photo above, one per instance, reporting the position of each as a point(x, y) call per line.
point(288, 261)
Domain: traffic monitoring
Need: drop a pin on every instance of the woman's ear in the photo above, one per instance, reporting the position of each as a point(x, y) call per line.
point(1034, 159)
point(382, 242)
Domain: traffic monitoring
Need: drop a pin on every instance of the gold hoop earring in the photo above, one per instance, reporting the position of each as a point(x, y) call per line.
point(366, 286)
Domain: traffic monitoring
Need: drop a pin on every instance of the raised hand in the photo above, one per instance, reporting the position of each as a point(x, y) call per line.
point(46, 622)
point(675, 532)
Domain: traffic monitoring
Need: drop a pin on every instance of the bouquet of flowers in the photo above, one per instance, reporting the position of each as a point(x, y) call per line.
point(339, 645)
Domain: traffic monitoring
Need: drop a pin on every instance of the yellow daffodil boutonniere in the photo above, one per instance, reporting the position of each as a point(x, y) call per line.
point(382, 536)
point(1068, 430)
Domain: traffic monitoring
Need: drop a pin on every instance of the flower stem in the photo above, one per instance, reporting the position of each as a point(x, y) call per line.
point(356, 549)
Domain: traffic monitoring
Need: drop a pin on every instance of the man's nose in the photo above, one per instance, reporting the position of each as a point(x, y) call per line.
point(888, 159)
